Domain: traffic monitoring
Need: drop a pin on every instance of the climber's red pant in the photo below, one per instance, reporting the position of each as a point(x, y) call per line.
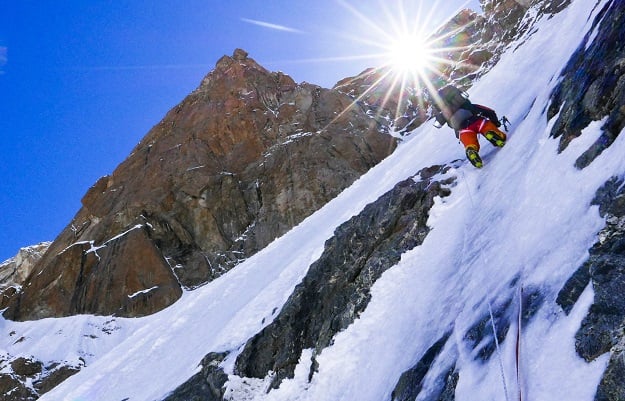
point(468, 135)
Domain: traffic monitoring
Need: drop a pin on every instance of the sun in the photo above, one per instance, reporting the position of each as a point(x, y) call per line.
point(410, 55)
point(407, 50)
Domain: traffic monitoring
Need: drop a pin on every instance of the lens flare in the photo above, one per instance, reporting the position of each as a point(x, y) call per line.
point(413, 57)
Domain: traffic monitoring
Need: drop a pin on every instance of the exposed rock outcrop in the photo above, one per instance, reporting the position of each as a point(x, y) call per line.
point(476, 41)
point(381, 94)
point(603, 328)
point(509, 19)
point(592, 86)
point(337, 287)
point(411, 382)
point(207, 385)
point(240, 161)
point(27, 379)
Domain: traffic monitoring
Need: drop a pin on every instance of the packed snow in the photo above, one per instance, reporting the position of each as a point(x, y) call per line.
point(525, 215)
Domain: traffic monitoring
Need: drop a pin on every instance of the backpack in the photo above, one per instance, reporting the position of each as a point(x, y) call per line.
point(454, 106)
point(452, 98)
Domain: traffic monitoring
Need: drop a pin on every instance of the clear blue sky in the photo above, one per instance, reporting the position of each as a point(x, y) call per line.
point(81, 82)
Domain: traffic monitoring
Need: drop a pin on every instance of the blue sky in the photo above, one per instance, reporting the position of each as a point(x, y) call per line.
point(81, 82)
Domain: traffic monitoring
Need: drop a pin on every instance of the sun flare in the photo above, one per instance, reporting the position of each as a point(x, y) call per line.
point(413, 54)
point(410, 54)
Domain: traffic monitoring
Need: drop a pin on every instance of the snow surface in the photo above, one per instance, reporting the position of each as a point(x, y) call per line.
point(526, 214)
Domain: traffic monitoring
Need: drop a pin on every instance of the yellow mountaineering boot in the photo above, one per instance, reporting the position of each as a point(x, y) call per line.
point(496, 138)
point(474, 157)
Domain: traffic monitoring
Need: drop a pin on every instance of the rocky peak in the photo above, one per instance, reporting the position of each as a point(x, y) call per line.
point(241, 160)
point(13, 272)
point(238, 69)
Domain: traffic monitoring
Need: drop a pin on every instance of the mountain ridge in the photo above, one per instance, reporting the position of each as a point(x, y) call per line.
point(222, 175)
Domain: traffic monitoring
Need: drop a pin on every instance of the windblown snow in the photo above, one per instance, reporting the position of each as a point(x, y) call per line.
point(526, 214)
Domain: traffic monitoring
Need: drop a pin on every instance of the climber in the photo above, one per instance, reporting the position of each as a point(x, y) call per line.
point(452, 106)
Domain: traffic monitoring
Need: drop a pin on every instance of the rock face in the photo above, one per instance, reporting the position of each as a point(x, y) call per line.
point(603, 329)
point(472, 44)
point(207, 385)
point(410, 383)
point(337, 287)
point(475, 42)
point(592, 86)
point(509, 18)
point(240, 161)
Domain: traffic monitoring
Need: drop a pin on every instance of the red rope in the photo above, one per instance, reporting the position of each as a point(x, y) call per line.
point(518, 346)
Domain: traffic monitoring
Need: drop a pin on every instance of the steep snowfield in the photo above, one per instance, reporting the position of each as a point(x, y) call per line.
point(526, 214)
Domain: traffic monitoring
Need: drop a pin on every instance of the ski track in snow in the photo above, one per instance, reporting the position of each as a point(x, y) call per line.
point(525, 215)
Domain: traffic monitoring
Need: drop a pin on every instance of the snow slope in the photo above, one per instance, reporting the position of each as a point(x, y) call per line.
point(526, 214)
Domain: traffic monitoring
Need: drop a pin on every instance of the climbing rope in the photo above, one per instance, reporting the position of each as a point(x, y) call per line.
point(501, 369)
point(490, 311)
point(518, 347)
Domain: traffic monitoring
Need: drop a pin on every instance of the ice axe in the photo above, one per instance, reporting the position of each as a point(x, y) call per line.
point(505, 122)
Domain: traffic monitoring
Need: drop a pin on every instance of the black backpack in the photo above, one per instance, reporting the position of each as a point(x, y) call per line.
point(451, 99)
point(453, 107)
